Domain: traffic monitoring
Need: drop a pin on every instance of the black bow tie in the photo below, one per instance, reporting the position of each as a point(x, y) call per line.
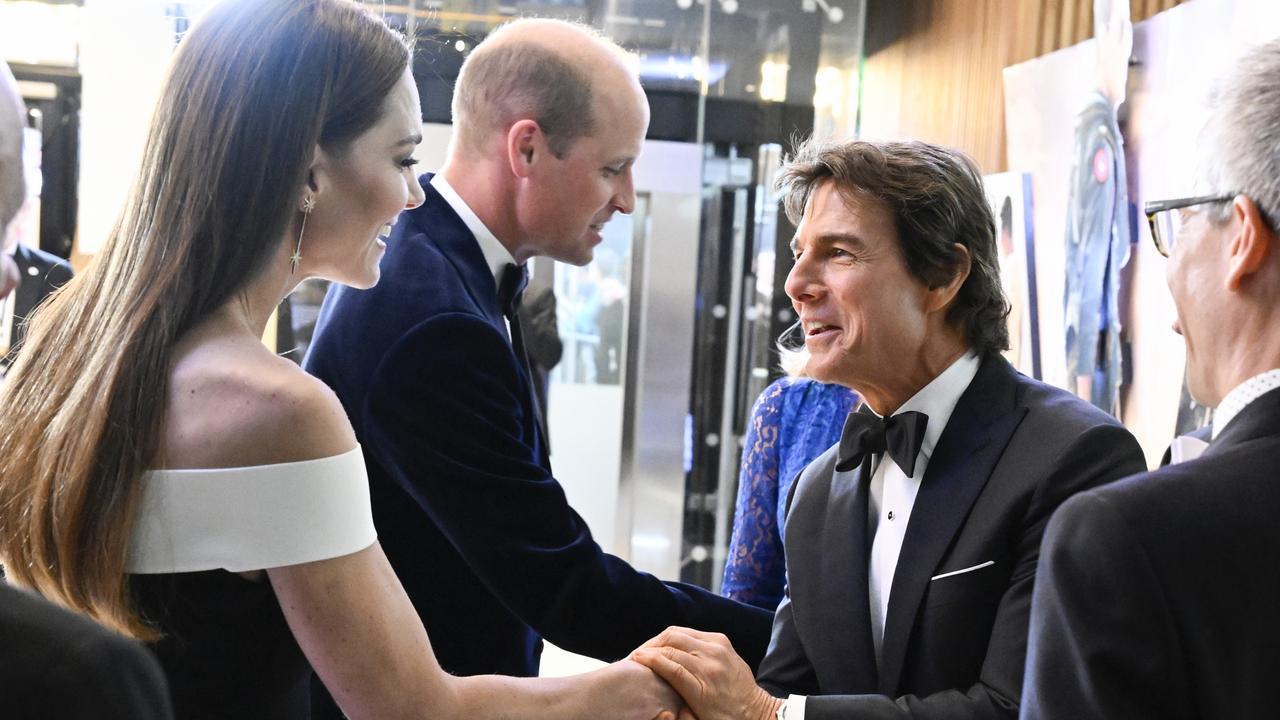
point(867, 434)
point(511, 288)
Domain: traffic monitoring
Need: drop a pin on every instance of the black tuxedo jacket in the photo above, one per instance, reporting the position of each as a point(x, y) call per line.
point(954, 646)
point(42, 273)
point(467, 509)
point(1159, 595)
point(56, 664)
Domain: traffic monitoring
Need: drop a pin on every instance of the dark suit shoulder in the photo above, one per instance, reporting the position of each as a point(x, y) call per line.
point(1059, 406)
point(45, 261)
point(1214, 494)
point(55, 663)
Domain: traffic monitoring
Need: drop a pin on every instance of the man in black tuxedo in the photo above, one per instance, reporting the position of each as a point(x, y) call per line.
point(431, 368)
point(1158, 594)
point(54, 663)
point(911, 545)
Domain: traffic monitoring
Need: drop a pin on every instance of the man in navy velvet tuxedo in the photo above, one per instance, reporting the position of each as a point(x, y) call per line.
point(1158, 594)
point(429, 365)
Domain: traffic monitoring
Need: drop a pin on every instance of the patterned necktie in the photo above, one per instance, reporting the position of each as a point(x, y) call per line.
point(867, 434)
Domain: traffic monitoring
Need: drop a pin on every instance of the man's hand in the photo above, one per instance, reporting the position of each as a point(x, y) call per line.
point(9, 275)
point(704, 669)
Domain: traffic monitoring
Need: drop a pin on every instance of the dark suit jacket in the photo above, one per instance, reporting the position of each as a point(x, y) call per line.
point(1159, 595)
point(56, 664)
point(42, 273)
point(467, 510)
point(953, 647)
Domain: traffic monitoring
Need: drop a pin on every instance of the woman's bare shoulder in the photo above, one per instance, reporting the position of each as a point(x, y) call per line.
point(239, 406)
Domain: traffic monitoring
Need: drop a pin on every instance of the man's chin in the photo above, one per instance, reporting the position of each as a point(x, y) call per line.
point(578, 256)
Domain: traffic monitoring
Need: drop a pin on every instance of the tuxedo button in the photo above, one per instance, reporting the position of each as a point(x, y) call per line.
point(890, 514)
point(33, 270)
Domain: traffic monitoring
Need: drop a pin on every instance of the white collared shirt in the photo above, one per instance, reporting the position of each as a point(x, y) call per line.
point(496, 255)
point(893, 493)
point(1240, 397)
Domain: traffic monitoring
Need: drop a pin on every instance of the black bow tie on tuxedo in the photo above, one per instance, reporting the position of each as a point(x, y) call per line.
point(868, 434)
point(511, 289)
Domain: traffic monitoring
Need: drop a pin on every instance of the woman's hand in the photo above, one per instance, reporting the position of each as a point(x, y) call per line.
point(630, 691)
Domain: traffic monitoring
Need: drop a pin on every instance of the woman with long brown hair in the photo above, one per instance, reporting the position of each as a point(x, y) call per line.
point(164, 473)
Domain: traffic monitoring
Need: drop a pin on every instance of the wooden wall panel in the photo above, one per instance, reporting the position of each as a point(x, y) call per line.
point(933, 66)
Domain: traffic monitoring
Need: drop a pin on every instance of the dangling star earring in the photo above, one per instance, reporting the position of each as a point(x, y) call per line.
point(308, 204)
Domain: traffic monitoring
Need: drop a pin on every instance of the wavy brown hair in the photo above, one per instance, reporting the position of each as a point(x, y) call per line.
point(253, 89)
point(936, 197)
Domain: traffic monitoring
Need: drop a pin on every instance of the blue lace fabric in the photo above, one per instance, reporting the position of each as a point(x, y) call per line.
point(792, 422)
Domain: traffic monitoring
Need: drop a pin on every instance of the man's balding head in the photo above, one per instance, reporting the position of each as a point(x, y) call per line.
point(12, 191)
point(11, 113)
point(549, 71)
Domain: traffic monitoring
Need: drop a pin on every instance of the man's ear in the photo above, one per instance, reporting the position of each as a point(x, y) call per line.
point(525, 146)
point(941, 296)
point(1251, 243)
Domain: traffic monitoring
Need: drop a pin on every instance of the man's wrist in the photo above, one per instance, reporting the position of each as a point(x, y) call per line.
point(791, 709)
point(768, 707)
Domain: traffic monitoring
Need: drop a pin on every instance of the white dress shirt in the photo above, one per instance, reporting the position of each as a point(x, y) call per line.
point(893, 495)
point(1240, 397)
point(496, 255)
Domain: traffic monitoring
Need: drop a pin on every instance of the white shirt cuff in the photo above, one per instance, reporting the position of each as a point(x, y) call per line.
point(793, 708)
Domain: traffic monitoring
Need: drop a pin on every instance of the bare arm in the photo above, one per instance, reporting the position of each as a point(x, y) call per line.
point(349, 614)
point(359, 631)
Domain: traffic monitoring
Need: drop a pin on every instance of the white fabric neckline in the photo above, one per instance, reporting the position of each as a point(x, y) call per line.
point(252, 518)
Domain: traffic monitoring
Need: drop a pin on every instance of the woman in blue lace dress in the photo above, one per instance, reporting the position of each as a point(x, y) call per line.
point(793, 421)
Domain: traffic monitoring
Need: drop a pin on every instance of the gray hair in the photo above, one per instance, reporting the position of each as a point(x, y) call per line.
point(521, 79)
point(1242, 136)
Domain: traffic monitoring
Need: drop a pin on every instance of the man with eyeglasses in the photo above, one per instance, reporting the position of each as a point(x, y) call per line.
point(1158, 596)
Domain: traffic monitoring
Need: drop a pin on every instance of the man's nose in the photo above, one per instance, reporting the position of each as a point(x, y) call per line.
point(624, 198)
point(800, 285)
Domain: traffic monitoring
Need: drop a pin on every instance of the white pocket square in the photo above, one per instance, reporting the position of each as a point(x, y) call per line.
point(965, 570)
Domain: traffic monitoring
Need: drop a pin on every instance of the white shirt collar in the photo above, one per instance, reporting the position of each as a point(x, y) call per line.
point(938, 400)
point(496, 255)
point(1240, 397)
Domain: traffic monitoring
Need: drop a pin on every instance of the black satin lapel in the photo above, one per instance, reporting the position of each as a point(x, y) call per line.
point(844, 655)
point(975, 437)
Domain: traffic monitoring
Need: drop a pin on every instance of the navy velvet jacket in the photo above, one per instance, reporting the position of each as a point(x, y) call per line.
point(467, 510)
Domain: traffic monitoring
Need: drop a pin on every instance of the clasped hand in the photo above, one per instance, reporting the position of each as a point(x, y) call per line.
point(715, 683)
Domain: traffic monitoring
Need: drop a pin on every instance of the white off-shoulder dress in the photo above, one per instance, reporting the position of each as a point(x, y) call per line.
point(226, 647)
